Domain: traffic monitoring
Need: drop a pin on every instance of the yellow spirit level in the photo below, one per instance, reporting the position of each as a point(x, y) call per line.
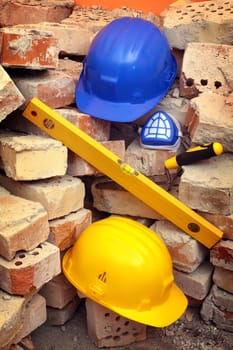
point(122, 173)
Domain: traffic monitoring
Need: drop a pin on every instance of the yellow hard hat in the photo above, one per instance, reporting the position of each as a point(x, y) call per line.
point(126, 267)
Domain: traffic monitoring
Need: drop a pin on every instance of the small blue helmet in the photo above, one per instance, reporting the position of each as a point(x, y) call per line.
point(127, 71)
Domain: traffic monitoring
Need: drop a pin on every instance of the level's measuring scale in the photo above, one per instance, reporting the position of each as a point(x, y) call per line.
point(122, 173)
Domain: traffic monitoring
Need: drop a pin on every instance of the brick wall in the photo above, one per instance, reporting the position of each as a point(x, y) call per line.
point(49, 195)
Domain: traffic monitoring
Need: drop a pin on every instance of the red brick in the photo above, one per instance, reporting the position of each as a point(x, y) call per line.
point(58, 317)
point(29, 11)
point(221, 255)
point(29, 271)
point(11, 97)
point(223, 278)
point(65, 230)
point(58, 292)
point(29, 49)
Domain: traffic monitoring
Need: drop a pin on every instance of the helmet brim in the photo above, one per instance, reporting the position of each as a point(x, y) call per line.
point(116, 112)
point(162, 315)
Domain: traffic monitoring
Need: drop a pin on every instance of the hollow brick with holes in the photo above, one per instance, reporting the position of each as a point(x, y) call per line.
point(198, 76)
point(185, 23)
point(106, 328)
point(24, 225)
point(29, 271)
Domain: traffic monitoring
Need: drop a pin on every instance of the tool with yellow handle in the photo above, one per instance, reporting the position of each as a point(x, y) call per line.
point(122, 173)
point(194, 155)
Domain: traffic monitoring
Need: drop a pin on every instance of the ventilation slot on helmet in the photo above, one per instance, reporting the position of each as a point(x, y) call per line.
point(103, 277)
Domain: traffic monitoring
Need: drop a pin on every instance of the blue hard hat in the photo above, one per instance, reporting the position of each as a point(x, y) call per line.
point(127, 71)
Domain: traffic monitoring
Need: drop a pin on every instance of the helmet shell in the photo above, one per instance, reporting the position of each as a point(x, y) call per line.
point(127, 71)
point(126, 267)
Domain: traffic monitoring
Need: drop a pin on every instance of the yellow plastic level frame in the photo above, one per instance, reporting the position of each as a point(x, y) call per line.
point(122, 173)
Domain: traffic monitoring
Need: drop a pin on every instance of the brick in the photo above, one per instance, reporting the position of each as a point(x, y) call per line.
point(186, 253)
point(70, 67)
point(79, 167)
point(59, 195)
point(58, 292)
point(206, 187)
point(209, 118)
point(96, 128)
point(223, 278)
point(213, 311)
point(35, 315)
point(29, 271)
point(58, 317)
point(24, 225)
point(106, 328)
point(196, 284)
point(30, 157)
point(65, 230)
point(223, 222)
point(54, 88)
point(221, 254)
point(73, 39)
point(11, 97)
point(147, 161)
point(12, 310)
point(200, 76)
point(185, 24)
point(25, 48)
point(29, 11)
point(111, 198)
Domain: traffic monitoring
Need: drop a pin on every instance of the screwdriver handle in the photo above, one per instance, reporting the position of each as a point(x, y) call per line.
point(194, 155)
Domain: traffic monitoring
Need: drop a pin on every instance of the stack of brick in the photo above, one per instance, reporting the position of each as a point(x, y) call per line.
point(49, 195)
point(203, 31)
point(42, 184)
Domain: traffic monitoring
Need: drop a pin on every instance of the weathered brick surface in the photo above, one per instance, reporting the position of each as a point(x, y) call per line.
point(29, 11)
point(34, 316)
point(221, 255)
point(199, 75)
point(11, 97)
point(73, 39)
point(187, 254)
point(53, 87)
point(185, 24)
point(65, 230)
point(209, 118)
point(223, 222)
point(148, 162)
point(24, 225)
point(29, 271)
point(206, 187)
point(70, 67)
point(12, 310)
point(18, 153)
point(58, 317)
point(96, 128)
point(196, 284)
point(218, 308)
point(106, 328)
point(59, 195)
point(223, 278)
point(79, 167)
point(111, 198)
point(30, 49)
point(58, 292)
